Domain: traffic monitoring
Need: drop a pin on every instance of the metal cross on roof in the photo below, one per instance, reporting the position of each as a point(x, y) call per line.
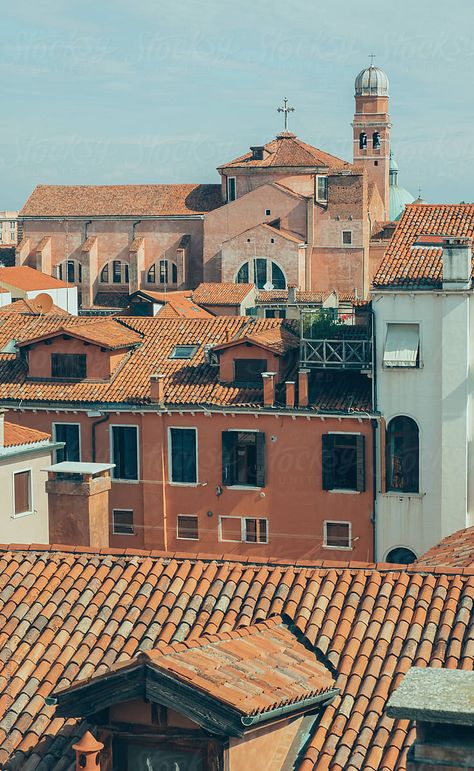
point(371, 57)
point(285, 110)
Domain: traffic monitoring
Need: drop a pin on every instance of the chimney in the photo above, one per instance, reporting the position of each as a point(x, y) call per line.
point(456, 261)
point(268, 388)
point(440, 702)
point(303, 391)
point(157, 388)
point(291, 293)
point(87, 751)
point(78, 503)
point(2, 429)
point(290, 394)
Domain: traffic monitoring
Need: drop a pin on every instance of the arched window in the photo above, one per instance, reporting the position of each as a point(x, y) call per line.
point(115, 272)
point(402, 450)
point(167, 273)
point(376, 140)
point(362, 140)
point(401, 556)
point(261, 271)
point(70, 271)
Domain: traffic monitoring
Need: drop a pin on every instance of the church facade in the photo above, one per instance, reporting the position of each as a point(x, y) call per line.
point(284, 214)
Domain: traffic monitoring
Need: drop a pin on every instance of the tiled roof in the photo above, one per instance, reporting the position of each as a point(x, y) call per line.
point(253, 669)
point(455, 551)
point(187, 382)
point(278, 339)
point(287, 150)
point(29, 279)
point(407, 265)
point(28, 307)
point(15, 436)
point(121, 200)
point(66, 615)
point(301, 297)
point(105, 332)
point(183, 307)
point(221, 294)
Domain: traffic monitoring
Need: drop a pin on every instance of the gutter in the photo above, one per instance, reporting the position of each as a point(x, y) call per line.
point(322, 699)
point(113, 218)
point(6, 454)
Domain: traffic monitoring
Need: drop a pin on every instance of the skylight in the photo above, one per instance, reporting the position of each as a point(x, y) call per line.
point(183, 351)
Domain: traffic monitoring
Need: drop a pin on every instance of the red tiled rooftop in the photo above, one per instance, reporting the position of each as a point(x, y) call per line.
point(221, 294)
point(105, 332)
point(28, 279)
point(28, 307)
point(287, 151)
point(15, 436)
point(66, 615)
point(407, 264)
point(121, 200)
point(455, 551)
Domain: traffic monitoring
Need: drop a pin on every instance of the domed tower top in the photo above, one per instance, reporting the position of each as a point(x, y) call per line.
point(372, 81)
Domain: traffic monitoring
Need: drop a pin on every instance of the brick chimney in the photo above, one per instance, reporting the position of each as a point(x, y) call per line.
point(440, 701)
point(87, 751)
point(269, 388)
point(292, 293)
point(157, 388)
point(78, 502)
point(456, 259)
point(303, 388)
point(290, 393)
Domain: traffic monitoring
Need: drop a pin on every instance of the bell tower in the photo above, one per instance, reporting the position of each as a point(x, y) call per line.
point(371, 127)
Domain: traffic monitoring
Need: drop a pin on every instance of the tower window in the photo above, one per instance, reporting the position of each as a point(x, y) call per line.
point(231, 189)
point(346, 237)
point(268, 212)
point(376, 163)
point(376, 140)
point(362, 140)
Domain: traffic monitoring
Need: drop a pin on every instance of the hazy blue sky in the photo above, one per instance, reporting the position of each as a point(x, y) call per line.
point(164, 91)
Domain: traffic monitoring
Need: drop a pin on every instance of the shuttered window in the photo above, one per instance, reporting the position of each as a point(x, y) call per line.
point(183, 443)
point(255, 530)
point(69, 433)
point(22, 492)
point(187, 527)
point(125, 452)
point(243, 458)
point(122, 522)
point(402, 346)
point(69, 366)
point(343, 462)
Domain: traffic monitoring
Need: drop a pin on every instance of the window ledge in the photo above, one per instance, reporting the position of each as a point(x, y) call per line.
point(344, 492)
point(22, 514)
point(127, 481)
point(184, 484)
point(242, 487)
point(394, 494)
point(338, 548)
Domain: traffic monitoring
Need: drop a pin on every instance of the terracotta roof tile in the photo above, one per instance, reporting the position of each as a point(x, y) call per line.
point(456, 551)
point(73, 614)
point(287, 150)
point(121, 200)
point(27, 307)
point(221, 294)
point(105, 332)
point(28, 279)
point(413, 257)
point(15, 435)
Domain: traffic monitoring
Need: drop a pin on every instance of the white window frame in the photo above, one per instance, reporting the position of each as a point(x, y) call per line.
point(245, 487)
point(318, 198)
point(346, 246)
point(228, 179)
point(229, 540)
point(170, 457)
point(111, 452)
point(337, 522)
point(30, 495)
point(180, 537)
point(244, 531)
point(415, 322)
point(114, 532)
point(66, 423)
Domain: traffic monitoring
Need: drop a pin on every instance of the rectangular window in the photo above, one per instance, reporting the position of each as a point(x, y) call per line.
point(70, 433)
point(183, 454)
point(122, 522)
point(231, 189)
point(337, 535)
point(230, 529)
point(243, 458)
point(343, 462)
point(72, 366)
point(260, 272)
point(346, 237)
point(183, 351)
point(125, 452)
point(22, 493)
point(249, 371)
point(255, 530)
point(322, 189)
point(188, 527)
point(402, 345)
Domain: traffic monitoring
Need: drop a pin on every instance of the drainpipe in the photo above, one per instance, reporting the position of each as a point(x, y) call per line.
point(96, 423)
point(163, 484)
point(375, 424)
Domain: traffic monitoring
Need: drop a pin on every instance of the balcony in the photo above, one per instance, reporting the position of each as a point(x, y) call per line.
point(332, 339)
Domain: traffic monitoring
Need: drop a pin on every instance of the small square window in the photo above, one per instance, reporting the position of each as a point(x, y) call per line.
point(376, 163)
point(22, 493)
point(347, 237)
point(230, 529)
point(256, 530)
point(122, 522)
point(183, 351)
point(337, 535)
point(188, 527)
point(268, 213)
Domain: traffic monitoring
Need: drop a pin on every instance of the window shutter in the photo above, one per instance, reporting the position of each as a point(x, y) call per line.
point(328, 461)
point(228, 456)
point(361, 463)
point(260, 448)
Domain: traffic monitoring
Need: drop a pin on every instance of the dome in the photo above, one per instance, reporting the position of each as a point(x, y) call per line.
point(371, 82)
point(398, 198)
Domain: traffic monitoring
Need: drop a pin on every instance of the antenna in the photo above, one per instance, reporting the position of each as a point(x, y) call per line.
point(42, 303)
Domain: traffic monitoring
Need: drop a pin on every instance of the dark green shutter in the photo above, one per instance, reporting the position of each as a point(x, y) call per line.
point(260, 447)
point(228, 457)
point(327, 458)
point(360, 463)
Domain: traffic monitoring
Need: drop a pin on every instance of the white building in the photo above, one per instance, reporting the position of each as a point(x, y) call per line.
point(424, 330)
point(25, 283)
point(9, 228)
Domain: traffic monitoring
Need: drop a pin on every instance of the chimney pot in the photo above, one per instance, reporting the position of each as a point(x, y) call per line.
point(291, 293)
point(457, 262)
point(290, 393)
point(157, 388)
point(87, 751)
point(303, 390)
point(268, 388)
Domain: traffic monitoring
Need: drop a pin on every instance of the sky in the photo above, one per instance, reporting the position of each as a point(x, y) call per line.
point(116, 92)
